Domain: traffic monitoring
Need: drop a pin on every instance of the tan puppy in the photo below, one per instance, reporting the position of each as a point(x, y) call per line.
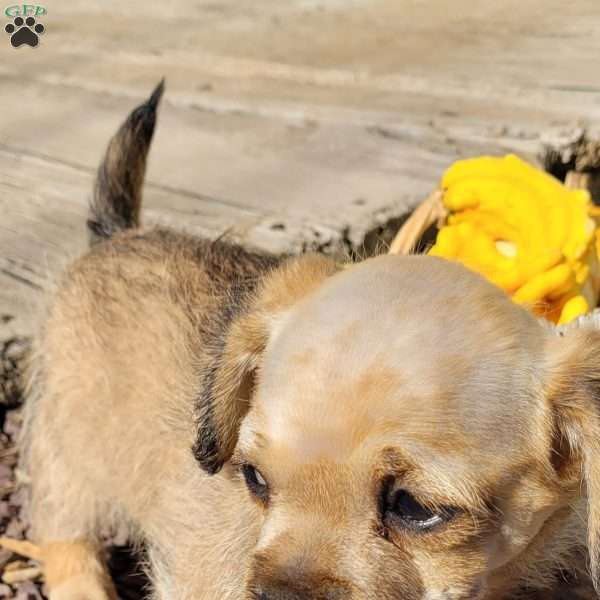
point(280, 429)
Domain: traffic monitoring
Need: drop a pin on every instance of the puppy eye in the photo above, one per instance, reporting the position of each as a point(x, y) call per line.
point(255, 481)
point(404, 510)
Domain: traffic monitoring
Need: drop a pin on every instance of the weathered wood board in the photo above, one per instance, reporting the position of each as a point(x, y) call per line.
point(306, 123)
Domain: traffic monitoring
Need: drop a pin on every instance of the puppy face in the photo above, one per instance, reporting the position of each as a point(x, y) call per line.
point(405, 437)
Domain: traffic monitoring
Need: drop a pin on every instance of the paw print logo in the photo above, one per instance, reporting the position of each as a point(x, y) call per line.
point(24, 32)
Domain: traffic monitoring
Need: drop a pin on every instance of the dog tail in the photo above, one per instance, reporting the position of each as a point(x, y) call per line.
point(117, 195)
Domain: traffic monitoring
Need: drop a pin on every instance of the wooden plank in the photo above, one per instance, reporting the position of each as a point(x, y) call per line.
point(301, 124)
point(43, 204)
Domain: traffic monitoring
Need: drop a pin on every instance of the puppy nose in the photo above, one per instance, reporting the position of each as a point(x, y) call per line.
point(281, 594)
point(293, 592)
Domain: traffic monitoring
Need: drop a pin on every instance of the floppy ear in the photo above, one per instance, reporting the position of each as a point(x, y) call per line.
point(232, 372)
point(575, 401)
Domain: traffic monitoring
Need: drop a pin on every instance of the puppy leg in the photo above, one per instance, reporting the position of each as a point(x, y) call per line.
point(76, 571)
point(65, 515)
point(74, 568)
point(200, 535)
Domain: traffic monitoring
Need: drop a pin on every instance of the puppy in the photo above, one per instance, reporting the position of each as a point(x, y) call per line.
point(293, 429)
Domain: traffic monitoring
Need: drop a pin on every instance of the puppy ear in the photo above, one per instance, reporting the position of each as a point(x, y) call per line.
point(575, 401)
point(227, 389)
point(232, 374)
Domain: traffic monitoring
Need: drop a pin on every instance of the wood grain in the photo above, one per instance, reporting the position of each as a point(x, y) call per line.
point(290, 125)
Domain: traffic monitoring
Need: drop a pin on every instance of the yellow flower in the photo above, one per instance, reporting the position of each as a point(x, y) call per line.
point(525, 231)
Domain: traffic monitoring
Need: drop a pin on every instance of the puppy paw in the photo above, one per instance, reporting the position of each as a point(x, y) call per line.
point(76, 571)
point(82, 587)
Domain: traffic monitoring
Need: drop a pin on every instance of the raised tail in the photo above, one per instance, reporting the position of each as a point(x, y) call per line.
point(117, 195)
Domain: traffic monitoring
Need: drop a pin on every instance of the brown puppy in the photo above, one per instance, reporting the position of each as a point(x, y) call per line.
point(284, 429)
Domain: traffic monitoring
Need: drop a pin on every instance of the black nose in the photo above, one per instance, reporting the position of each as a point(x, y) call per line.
point(291, 592)
point(281, 594)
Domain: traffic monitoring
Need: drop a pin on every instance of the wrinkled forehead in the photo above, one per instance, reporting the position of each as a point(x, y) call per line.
point(416, 351)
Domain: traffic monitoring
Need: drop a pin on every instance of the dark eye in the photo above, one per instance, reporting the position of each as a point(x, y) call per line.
point(256, 482)
point(403, 510)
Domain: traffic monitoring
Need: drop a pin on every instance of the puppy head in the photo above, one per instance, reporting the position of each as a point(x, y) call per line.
point(403, 431)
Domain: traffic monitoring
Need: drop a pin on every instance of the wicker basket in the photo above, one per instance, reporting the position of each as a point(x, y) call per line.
point(432, 212)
